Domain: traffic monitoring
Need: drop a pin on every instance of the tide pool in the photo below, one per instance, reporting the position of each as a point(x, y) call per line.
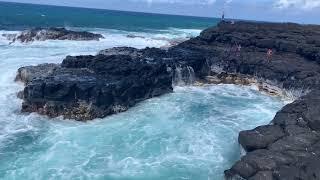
point(189, 134)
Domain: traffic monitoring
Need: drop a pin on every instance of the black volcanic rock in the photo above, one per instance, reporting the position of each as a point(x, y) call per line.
point(288, 69)
point(286, 149)
point(289, 144)
point(43, 34)
point(129, 51)
point(260, 137)
point(28, 73)
point(88, 87)
point(295, 147)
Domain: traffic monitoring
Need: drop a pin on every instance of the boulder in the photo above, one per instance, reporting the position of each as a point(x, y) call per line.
point(260, 137)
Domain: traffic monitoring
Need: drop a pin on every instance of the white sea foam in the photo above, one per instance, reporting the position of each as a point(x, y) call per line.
point(189, 134)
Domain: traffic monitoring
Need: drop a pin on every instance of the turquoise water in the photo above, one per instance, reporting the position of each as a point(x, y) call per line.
point(189, 134)
point(15, 16)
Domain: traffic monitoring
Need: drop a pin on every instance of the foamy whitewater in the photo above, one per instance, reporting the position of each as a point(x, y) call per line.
point(189, 134)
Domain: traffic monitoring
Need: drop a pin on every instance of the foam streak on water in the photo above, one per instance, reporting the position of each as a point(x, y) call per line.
point(189, 134)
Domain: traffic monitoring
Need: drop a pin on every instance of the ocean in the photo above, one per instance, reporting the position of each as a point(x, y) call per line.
point(15, 16)
point(188, 134)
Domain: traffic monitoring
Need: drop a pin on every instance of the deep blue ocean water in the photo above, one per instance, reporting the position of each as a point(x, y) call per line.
point(16, 15)
point(190, 134)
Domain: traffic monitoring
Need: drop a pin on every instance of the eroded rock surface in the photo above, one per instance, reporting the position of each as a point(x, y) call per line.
point(43, 34)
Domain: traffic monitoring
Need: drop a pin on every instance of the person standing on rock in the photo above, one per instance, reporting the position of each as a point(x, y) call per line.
point(269, 54)
point(222, 18)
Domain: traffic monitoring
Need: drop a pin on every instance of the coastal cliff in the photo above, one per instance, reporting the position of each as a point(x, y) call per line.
point(88, 87)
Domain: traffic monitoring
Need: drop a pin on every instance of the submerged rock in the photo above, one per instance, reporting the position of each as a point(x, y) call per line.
point(43, 34)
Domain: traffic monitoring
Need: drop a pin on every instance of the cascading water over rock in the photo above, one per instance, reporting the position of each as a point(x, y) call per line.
point(183, 76)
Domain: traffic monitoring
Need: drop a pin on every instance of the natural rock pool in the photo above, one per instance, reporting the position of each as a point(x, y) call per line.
point(189, 134)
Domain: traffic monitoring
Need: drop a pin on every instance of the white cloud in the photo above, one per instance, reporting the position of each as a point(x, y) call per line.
point(301, 4)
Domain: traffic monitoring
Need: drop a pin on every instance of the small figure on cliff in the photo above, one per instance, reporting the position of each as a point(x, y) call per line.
point(269, 54)
point(222, 18)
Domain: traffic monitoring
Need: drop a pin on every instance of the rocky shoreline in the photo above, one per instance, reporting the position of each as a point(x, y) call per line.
point(287, 148)
point(88, 87)
point(43, 34)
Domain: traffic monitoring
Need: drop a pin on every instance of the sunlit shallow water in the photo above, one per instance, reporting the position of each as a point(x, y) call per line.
point(189, 134)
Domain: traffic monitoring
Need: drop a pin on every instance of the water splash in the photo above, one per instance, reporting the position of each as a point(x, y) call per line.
point(183, 76)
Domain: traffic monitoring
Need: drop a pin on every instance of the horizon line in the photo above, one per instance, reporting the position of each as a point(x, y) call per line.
point(119, 10)
point(151, 13)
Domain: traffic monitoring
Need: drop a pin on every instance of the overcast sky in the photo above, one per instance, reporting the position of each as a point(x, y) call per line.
point(302, 11)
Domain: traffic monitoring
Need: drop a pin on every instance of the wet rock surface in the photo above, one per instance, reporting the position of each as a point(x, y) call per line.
point(43, 34)
point(236, 48)
point(87, 87)
point(287, 147)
